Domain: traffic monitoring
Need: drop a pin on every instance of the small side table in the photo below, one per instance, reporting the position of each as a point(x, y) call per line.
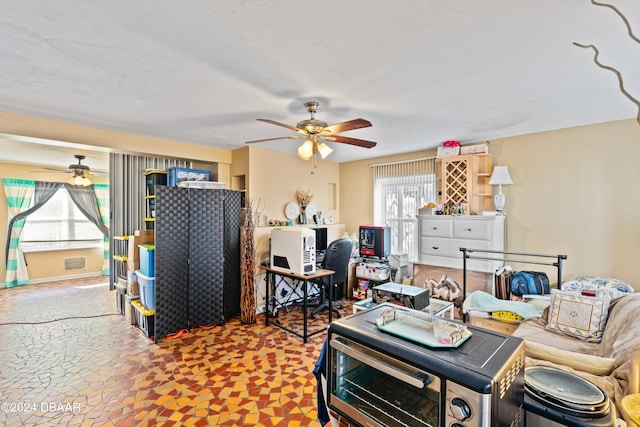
point(437, 307)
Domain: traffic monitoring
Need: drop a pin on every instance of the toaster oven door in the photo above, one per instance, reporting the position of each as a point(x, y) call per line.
point(374, 389)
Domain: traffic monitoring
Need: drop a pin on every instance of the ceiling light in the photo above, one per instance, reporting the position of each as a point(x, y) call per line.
point(306, 150)
point(80, 180)
point(324, 149)
point(311, 146)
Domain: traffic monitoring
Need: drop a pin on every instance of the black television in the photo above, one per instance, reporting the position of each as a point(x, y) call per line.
point(375, 241)
point(321, 239)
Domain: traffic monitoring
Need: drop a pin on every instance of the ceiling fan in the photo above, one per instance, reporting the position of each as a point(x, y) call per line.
point(78, 170)
point(316, 132)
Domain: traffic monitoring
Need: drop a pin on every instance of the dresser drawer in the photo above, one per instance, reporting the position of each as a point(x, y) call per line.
point(442, 236)
point(472, 229)
point(448, 247)
point(436, 227)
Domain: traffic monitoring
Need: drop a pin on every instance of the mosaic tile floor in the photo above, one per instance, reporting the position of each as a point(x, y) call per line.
point(91, 368)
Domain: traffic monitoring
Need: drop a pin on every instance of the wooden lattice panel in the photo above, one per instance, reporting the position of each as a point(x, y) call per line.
point(456, 182)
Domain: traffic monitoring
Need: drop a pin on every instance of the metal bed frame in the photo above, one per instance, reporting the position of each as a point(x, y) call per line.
point(468, 253)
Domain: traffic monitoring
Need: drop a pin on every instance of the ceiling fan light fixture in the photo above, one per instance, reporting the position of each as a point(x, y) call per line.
point(313, 130)
point(80, 180)
point(305, 151)
point(324, 150)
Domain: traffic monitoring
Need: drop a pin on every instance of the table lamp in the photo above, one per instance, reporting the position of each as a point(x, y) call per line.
point(500, 177)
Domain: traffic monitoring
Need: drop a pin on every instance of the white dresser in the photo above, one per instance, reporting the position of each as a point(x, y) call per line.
point(442, 236)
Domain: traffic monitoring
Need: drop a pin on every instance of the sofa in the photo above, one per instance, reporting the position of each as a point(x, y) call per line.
point(608, 355)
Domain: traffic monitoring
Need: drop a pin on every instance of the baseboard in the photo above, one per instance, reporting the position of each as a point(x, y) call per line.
point(59, 278)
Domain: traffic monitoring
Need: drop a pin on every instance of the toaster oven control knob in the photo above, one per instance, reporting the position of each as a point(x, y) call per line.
point(461, 409)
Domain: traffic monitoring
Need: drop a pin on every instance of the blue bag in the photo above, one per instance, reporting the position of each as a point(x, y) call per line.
point(529, 283)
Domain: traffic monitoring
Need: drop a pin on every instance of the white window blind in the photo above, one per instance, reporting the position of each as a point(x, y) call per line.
point(400, 189)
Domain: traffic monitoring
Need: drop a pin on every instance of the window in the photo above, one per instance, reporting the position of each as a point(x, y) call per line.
point(400, 189)
point(59, 224)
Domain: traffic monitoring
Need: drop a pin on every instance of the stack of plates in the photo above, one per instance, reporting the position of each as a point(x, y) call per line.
point(565, 392)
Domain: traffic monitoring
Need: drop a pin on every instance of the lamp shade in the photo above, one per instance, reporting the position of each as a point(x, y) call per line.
point(305, 151)
point(80, 180)
point(500, 176)
point(324, 150)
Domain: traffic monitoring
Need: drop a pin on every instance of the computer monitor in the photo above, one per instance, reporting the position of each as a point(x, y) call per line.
point(321, 239)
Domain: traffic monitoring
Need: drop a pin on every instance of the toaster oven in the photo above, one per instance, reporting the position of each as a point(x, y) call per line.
point(377, 379)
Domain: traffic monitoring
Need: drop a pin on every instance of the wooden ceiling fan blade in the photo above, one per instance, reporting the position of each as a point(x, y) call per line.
point(353, 141)
point(274, 139)
point(349, 125)
point(273, 122)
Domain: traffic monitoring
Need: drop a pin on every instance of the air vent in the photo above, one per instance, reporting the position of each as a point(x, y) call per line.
point(511, 375)
point(77, 263)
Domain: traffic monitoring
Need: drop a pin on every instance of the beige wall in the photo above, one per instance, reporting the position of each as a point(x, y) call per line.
point(47, 266)
point(574, 193)
point(274, 178)
point(44, 264)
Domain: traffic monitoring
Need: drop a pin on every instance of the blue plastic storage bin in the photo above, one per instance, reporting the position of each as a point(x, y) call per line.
point(147, 286)
point(177, 175)
point(148, 259)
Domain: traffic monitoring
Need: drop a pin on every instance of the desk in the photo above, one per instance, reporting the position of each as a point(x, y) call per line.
point(320, 272)
point(437, 307)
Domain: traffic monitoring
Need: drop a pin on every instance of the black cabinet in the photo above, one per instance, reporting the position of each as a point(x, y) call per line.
point(197, 250)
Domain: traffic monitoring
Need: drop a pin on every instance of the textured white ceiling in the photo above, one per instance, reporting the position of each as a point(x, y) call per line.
point(422, 71)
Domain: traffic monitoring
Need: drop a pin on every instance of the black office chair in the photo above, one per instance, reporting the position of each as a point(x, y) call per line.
point(336, 258)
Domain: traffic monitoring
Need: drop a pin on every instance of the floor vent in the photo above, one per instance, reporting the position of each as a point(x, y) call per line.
point(78, 263)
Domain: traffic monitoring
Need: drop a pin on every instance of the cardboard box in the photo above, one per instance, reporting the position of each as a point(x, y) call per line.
point(475, 149)
point(133, 265)
point(494, 325)
point(133, 290)
point(447, 152)
point(134, 242)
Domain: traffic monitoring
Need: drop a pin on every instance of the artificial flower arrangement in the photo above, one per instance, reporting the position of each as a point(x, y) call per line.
point(304, 197)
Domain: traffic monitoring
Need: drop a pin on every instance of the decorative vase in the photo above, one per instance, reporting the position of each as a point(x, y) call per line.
point(302, 219)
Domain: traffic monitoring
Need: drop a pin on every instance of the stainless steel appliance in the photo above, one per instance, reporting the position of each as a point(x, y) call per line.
point(378, 379)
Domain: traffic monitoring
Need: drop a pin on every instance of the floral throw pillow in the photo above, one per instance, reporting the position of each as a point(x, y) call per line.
point(578, 316)
point(601, 286)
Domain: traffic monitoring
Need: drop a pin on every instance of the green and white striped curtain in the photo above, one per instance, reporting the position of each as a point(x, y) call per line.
point(102, 196)
point(19, 193)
